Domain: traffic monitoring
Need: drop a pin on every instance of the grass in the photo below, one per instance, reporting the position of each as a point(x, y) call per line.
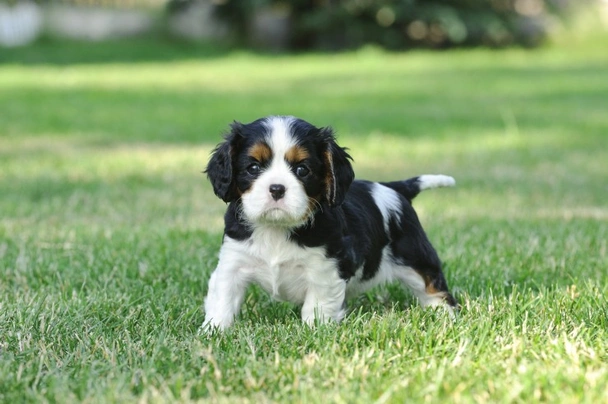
point(109, 231)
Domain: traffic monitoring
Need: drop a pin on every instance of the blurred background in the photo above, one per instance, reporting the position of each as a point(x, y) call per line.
point(108, 104)
point(299, 24)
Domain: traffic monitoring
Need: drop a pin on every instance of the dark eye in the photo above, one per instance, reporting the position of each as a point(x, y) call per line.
point(302, 171)
point(253, 169)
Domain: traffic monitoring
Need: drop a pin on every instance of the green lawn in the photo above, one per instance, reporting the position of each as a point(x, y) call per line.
point(109, 230)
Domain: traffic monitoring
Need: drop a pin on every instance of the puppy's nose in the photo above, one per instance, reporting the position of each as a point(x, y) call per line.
point(277, 191)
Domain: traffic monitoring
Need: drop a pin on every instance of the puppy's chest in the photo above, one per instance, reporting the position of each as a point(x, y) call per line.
point(282, 267)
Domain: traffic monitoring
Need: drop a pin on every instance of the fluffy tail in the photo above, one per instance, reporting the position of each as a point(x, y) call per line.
point(410, 188)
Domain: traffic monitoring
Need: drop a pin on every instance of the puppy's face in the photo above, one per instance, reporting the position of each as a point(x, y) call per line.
point(281, 169)
point(279, 176)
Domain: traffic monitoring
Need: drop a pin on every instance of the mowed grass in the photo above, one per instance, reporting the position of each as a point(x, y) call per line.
point(109, 230)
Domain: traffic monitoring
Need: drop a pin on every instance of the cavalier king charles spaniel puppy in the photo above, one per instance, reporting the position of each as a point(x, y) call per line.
point(302, 228)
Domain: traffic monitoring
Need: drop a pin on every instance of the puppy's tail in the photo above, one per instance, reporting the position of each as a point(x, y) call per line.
point(411, 187)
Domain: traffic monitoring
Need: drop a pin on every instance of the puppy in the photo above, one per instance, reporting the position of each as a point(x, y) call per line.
point(301, 227)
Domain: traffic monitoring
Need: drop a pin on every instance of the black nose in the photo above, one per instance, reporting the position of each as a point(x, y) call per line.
point(277, 191)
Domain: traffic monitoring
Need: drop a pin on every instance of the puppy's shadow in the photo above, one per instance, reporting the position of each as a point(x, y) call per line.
point(259, 305)
point(381, 299)
point(260, 308)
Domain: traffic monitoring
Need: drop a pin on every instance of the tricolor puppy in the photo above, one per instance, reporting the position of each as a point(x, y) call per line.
point(300, 226)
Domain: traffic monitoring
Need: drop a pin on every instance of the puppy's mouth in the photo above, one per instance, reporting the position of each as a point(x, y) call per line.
point(278, 214)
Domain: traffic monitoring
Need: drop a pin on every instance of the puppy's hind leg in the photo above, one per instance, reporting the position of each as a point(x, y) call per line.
point(417, 265)
point(428, 285)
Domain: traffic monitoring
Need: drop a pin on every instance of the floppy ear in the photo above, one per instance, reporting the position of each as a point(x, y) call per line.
point(220, 168)
point(339, 172)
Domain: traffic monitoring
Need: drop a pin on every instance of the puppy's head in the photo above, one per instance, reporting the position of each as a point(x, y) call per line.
point(281, 168)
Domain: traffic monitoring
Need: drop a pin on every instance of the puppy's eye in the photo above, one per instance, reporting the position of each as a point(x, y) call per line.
point(253, 169)
point(302, 171)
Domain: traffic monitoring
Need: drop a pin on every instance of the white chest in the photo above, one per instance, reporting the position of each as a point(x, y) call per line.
point(280, 266)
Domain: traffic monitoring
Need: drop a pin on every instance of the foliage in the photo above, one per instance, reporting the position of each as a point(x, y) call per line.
point(109, 230)
point(399, 24)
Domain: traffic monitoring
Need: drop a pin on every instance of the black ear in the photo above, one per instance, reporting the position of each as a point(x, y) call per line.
point(220, 168)
point(339, 172)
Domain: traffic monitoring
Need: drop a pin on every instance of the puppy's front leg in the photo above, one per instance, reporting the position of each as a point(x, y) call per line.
point(324, 300)
point(227, 287)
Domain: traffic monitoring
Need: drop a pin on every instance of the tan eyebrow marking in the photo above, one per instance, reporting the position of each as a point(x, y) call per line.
point(261, 152)
point(296, 154)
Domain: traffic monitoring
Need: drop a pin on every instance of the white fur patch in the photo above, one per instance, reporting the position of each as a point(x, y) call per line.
point(429, 181)
point(280, 139)
point(388, 201)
